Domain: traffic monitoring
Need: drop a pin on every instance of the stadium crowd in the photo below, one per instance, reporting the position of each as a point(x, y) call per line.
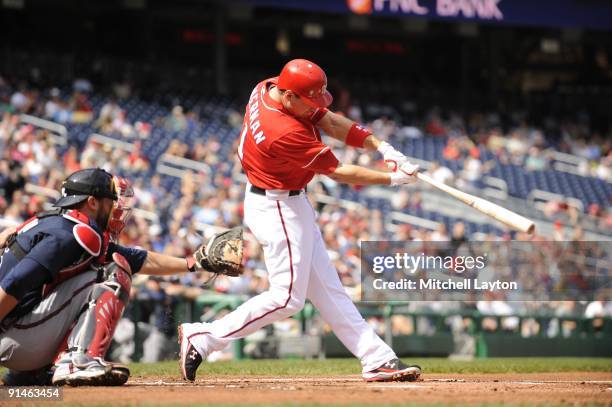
point(32, 167)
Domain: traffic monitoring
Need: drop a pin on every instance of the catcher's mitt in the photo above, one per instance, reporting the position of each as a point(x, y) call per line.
point(222, 254)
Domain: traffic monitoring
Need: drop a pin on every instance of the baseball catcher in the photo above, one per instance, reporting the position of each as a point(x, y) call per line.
point(64, 283)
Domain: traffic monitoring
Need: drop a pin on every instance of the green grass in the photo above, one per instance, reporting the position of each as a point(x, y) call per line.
point(330, 367)
point(294, 367)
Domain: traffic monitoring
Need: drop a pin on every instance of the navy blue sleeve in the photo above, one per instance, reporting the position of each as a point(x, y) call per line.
point(56, 252)
point(136, 257)
point(52, 254)
point(43, 262)
point(26, 275)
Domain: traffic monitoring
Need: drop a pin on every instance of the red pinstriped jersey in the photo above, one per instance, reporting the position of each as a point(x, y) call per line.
point(278, 150)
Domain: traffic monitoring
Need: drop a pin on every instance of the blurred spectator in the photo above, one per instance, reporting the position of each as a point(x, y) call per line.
point(496, 143)
point(400, 200)
point(603, 171)
point(451, 151)
point(458, 237)
point(441, 234)
point(558, 233)
point(157, 305)
point(122, 89)
point(535, 160)
point(82, 111)
point(82, 85)
point(176, 121)
point(556, 210)
point(11, 179)
point(121, 126)
point(93, 155)
point(498, 308)
point(517, 146)
point(441, 173)
point(597, 310)
point(71, 160)
point(54, 106)
point(137, 161)
point(473, 169)
point(384, 127)
point(109, 112)
point(434, 126)
point(235, 119)
point(143, 196)
point(143, 129)
point(20, 100)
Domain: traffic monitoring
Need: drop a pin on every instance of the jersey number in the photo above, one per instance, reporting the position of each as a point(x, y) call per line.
point(241, 145)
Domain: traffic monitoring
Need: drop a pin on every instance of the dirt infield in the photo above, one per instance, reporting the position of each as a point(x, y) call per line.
point(533, 388)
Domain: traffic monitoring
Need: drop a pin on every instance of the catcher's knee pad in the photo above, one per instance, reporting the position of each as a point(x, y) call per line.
point(95, 327)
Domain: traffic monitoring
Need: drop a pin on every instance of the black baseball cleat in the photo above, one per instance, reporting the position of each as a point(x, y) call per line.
point(189, 357)
point(393, 371)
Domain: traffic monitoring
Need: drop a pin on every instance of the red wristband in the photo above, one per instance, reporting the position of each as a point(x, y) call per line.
point(356, 136)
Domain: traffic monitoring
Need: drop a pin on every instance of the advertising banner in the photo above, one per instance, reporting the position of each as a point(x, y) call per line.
point(593, 14)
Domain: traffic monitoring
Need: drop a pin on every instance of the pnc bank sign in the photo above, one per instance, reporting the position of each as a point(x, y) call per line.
point(476, 9)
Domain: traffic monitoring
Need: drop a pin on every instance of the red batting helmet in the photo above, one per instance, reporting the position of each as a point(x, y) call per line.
point(307, 80)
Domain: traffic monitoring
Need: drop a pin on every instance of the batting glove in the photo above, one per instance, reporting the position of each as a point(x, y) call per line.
point(393, 158)
point(405, 174)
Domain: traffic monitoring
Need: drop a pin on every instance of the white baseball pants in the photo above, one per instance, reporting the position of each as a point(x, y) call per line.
point(299, 268)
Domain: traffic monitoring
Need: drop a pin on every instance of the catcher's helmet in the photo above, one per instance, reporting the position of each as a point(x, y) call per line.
point(307, 80)
point(84, 183)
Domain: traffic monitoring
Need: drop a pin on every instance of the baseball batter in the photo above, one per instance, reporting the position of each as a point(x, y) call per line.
point(281, 151)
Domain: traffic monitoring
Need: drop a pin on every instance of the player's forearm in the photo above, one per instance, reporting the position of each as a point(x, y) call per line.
point(354, 174)
point(163, 264)
point(335, 125)
point(371, 143)
point(338, 127)
point(7, 303)
point(158, 264)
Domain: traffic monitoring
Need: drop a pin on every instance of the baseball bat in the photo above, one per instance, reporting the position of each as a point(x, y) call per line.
point(497, 212)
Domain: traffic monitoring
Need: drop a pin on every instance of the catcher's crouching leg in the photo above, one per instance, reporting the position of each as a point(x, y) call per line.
point(82, 362)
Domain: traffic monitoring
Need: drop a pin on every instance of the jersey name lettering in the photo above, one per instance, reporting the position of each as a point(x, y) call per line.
point(254, 124)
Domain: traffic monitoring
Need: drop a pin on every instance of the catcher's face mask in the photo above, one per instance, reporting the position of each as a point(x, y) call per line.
point(122, 207)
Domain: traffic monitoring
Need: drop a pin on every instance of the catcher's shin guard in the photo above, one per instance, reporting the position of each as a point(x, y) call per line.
point(93, 332)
